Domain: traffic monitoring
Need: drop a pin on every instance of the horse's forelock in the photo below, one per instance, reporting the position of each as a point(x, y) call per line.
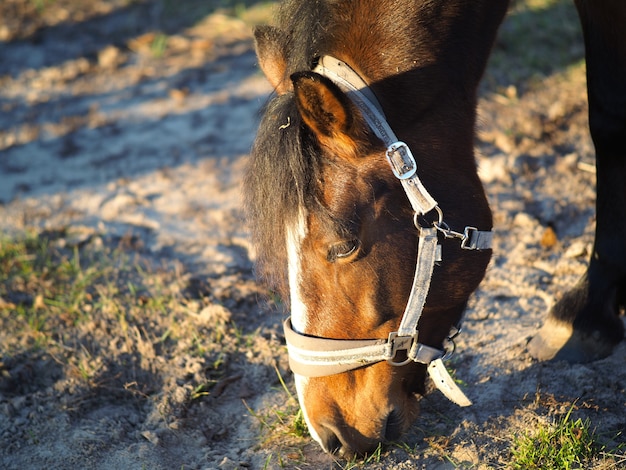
point(285, 160)
point(278, 186)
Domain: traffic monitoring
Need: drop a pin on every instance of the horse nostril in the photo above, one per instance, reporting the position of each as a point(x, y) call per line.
point(329, 441)
point(333, 444)
point(348, 444)
point(393, 426)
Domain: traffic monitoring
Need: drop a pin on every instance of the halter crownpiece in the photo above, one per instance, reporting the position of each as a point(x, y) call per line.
point(398, 153)
point(317, 357)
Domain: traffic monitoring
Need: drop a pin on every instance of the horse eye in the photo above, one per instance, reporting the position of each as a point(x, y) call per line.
point(342, 250)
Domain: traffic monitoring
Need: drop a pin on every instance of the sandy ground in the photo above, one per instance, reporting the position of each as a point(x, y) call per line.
point(100, 135)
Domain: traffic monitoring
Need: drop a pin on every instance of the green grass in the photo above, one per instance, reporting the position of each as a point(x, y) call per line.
point(376, 456)
point(282, 429)
point(158, 45)
point(102, 312)
point(282, 423)
point(40, 5)
point(567, 444)
point(43, 283)
point(537, 39)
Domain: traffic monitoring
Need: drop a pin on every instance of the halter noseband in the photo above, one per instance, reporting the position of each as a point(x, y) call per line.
point(317, 357)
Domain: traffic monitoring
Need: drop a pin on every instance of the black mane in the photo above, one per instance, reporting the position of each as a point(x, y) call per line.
point(306, 25)
point(285, 160)
point(277, 184)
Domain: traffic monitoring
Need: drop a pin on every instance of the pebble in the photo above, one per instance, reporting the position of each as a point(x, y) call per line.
point(109, 57)
point(151, 437)
point(576, 250)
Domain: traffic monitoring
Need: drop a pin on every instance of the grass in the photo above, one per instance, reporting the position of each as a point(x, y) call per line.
point(108, 316)
point(282, 426)
point(158, 45)
point(568, 443)
point(537, 39)
point(52, 292)
point(366, 460)
point(43, 283)
point(40, 5)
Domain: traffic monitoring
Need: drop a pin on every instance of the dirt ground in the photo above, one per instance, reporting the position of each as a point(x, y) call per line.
point(122, 123)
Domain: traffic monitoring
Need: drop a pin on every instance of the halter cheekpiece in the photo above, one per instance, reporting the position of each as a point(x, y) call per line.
point(317, 357)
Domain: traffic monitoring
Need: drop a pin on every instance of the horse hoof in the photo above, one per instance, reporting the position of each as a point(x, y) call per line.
point(556, 341)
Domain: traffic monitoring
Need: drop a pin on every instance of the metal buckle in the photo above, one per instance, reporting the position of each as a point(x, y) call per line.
point(467, 241)
point(400, 343)
point(401, 160)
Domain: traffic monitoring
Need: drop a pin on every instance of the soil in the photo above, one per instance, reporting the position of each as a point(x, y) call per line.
point(107, 133)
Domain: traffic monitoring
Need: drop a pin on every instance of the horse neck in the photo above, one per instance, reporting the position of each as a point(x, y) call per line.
point(389, 37)
point(423, 60)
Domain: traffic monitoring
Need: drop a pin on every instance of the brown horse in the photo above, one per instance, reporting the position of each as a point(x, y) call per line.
point(339, 204)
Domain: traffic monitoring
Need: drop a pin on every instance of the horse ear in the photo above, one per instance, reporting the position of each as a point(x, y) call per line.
point(323, 106)
point(270, 46)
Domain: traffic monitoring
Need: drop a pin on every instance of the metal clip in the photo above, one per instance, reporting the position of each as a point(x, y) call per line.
point(447, 232)
point(449, 348)
point(455, 331)
point(471, 238)
point(401, 160)
point(400, 343)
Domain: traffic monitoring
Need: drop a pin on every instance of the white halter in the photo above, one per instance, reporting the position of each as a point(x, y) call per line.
point(318, 357)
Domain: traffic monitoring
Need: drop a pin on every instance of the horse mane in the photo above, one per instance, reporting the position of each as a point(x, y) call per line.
point(304, 26)
point(277, 184)
point(285, 159)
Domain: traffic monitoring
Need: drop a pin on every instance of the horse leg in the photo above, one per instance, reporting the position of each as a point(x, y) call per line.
point(585, 324)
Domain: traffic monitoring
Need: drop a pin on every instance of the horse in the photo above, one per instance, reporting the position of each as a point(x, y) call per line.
point(368, 215)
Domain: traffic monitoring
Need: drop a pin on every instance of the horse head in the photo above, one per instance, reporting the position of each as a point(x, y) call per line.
point(339, 237)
